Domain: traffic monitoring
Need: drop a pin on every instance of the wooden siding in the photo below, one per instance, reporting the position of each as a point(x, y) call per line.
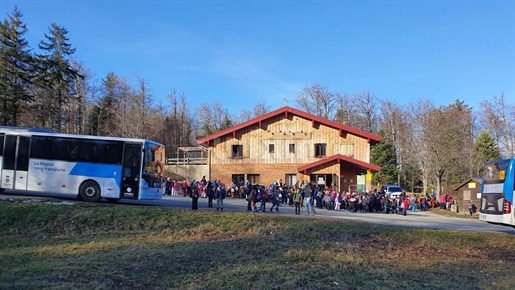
point(466, 192)
point(281, 132)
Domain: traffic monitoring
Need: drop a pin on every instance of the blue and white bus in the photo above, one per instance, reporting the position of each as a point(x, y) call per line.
point(497, 192)
point(90, 167)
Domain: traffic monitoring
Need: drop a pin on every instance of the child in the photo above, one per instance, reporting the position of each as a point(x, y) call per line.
point(275, 200)
point(297, 198)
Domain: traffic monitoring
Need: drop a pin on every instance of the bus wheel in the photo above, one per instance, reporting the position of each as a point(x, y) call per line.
point(90, 191)
point(112, 200)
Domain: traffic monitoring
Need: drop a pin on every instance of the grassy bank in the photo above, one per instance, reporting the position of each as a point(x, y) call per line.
point(84, 246)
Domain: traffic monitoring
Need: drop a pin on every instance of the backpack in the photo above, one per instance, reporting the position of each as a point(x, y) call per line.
point(259, 196)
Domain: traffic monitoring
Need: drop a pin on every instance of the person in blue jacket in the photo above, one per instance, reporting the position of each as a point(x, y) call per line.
point(220, 195)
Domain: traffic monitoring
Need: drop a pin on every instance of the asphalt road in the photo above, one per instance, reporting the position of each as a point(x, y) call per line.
point(419, 219)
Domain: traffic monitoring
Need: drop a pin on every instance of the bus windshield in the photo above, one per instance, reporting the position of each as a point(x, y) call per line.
point(153, 164)
point(495, 172)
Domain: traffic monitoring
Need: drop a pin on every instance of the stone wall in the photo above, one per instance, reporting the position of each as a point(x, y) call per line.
point(194, 172)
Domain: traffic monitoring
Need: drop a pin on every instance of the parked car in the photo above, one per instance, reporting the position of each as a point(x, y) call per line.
point(392, 190)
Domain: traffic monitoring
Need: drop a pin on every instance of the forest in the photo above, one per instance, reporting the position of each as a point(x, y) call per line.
point(425, 147)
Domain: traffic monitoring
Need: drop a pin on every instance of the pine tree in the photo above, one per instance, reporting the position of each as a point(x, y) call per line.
point(103, 118)
point(3, 73)
point(485, 149)
point(383, 154)
point(56, 75)
point(14, 68)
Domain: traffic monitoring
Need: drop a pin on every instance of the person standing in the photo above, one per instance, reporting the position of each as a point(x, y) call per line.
point(275, 200)
point(250, 197)
point(441, 201)
point(262, 199)
point(470, 205)
point(194, 197)
point(175, 188)
point(210, 192)
point(338, 202)
point(220, 195)
point(291, 192)
point(308, 197)
point(297, 199)
point(404, 205)
point(423, 203)
point(168, 187)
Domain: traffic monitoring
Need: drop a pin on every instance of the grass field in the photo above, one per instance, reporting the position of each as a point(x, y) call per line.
point(91, 246)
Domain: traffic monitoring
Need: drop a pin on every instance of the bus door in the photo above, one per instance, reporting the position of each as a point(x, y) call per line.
point(15, 162)
point(131, 172)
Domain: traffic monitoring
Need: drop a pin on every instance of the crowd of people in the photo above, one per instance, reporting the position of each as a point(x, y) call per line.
point(301, 195)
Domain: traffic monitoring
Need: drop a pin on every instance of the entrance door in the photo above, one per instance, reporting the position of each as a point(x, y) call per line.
point(322, 181)
point(15, 162)
point(131, 170)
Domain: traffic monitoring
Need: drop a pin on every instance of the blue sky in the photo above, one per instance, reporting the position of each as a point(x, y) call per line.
point(244, 52)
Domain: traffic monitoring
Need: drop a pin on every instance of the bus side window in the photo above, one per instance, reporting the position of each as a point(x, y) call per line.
point(84, 154)
point(74, 153)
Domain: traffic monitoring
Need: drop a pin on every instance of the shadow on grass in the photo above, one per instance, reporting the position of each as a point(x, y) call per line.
point(107, 248)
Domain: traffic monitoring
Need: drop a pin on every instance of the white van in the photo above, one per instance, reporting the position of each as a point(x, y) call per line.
point(392, 190)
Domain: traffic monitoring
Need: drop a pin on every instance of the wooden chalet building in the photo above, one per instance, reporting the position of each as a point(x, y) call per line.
point(292, 145)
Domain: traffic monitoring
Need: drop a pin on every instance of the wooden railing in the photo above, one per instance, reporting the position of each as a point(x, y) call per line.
point(186, 161)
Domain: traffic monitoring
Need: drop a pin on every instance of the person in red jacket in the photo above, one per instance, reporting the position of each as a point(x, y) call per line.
point(405, 205)
point(185, 186)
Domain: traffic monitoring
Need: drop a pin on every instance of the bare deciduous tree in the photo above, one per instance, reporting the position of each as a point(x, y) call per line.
point(498, 119)
point(213, 117)
point(359, 111)
point(179, 122)
point(366, 106)
point(259, 110)
point(443, 133)
point(318, 100)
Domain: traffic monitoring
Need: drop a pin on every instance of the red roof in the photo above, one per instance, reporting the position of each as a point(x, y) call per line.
point(338, 158)
point(372, 138)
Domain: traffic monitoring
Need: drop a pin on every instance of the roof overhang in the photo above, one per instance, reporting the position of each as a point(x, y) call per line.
point(287, 112)
point(340, 158)
point(478, 180)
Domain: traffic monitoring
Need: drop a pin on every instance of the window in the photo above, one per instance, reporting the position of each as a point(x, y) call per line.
point(238, 178)
point(102, 151)
point(22, 160)
point(320, 150)
point(1, 144)
point(76, 150)
point(291, 148)
point(10, 151)
point(253, 178)
point(271, 148)
point(237, 151)
point(291, 179)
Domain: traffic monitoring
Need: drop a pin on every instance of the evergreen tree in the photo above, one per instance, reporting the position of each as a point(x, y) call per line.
point(383, 154)
point(56, 74)
point(15, 60)
point(103, 118)
point(3, 73)
point(485, 149)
